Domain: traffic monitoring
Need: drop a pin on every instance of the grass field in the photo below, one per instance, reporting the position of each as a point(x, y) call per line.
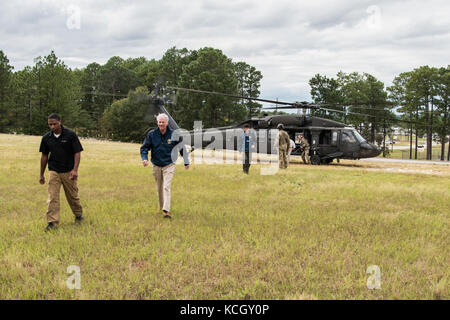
point(309, 232)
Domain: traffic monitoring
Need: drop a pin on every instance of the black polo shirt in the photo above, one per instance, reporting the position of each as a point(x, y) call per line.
point(61, 149)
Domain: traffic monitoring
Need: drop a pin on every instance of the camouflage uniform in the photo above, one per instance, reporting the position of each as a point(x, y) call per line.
point(305, 149)
point(283, 146)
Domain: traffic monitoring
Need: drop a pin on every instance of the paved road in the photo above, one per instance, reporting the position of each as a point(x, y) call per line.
point(405, 161)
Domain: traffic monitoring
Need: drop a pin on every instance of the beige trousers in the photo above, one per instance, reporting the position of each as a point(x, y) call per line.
point(55, 180)
point(163, 177)
point(282, 158)
point(305, 155)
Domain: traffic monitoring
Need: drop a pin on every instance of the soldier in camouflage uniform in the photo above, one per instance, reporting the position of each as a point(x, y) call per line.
point(305, 149)
point(282, 142)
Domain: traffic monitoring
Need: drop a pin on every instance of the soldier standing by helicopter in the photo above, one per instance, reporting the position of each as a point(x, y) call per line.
point(305, 149)
point(247, 145)
point(282, 142)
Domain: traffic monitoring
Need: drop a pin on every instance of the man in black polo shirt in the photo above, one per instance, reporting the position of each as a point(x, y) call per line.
point(65, 149)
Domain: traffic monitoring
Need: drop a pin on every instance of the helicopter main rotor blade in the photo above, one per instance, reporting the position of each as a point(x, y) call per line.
point(285, 105)
point(359, 104)
point(241, 97)
point(326, 109)
point(310, 106)
point(349, 112)
point(322, 106)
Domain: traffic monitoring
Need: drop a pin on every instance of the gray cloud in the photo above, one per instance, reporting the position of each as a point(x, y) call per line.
point(289, 41)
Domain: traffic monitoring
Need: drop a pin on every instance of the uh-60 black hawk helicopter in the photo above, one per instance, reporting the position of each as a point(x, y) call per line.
point(328, 139)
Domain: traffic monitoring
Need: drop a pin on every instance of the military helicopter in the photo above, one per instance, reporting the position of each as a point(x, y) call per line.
point(328, 139)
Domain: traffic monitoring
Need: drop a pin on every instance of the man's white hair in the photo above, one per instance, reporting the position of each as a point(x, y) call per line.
point(162, 115)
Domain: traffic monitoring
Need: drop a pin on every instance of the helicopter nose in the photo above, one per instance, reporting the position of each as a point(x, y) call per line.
point(369, 150)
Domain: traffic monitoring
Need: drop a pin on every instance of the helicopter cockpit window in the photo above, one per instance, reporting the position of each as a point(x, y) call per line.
point(348, 137)
point(334, 138)
point(358, 136)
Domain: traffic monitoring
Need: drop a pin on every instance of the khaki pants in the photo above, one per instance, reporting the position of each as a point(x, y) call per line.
point(282, 158)
point(71, 191)
point(305, 155)
point(163, 177)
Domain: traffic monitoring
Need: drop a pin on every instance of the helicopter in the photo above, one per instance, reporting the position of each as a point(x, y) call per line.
point(328, 139)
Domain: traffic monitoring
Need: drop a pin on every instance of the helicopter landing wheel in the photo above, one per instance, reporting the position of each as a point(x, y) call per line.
point(315, 159)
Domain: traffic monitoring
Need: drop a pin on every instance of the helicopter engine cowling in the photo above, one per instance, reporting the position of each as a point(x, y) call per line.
point(286, 120)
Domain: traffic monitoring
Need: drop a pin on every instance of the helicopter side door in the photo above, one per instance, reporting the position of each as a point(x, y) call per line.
point(314, 144)
point(328, 142)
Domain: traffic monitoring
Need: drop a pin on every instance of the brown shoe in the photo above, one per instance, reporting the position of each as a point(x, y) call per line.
point(167, 214)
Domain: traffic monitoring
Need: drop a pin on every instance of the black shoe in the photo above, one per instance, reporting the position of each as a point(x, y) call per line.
point(50, 226)
point(78, 219)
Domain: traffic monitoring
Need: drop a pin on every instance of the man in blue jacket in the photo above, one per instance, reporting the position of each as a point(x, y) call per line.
point(163, 156)
point(247, 145)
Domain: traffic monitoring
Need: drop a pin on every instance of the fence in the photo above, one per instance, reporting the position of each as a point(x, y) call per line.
point(422, 154)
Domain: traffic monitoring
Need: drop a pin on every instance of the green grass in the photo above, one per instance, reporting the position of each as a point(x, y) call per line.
point(307, 232)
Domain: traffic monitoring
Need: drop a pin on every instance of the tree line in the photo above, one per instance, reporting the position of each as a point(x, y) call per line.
point(417, 102)
point(111, 100)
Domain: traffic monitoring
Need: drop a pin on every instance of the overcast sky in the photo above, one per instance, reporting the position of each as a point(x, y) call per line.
point(288, 41)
